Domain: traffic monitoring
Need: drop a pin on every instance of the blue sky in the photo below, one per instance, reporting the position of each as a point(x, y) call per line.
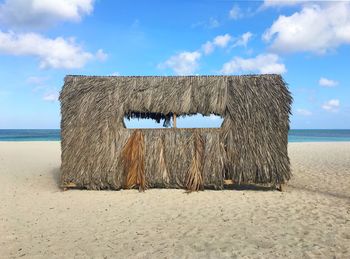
point(42, 41)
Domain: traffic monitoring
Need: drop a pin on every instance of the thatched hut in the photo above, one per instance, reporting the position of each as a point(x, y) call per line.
point(98, 152)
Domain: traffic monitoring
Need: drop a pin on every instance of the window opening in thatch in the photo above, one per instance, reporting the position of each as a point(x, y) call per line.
point(199, 120)
point(152, 120)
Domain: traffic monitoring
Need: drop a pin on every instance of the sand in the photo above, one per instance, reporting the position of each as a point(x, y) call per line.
point(310, 220)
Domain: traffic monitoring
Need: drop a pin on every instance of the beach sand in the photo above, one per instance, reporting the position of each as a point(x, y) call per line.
point(311, 219)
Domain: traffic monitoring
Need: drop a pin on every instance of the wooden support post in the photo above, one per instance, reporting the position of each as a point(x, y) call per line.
point(174, 120)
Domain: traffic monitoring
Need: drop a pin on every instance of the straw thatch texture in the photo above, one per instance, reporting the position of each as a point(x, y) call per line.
point(98, 152)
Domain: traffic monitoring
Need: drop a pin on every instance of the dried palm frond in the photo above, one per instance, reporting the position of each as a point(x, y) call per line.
point(194, 180)
point(134, 161)
point(162, 163)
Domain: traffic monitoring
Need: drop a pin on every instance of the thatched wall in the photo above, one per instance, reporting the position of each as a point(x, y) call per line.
point(250, 147)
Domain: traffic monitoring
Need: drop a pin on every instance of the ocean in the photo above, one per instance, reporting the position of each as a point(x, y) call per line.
point(305, 135)
point(30, 135)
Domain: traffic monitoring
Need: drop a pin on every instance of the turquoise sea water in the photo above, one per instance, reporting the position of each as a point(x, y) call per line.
point(321, 135)
point(294, 135)
point(30, 135)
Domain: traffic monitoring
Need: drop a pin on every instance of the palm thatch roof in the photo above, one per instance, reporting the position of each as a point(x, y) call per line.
point(98, 152)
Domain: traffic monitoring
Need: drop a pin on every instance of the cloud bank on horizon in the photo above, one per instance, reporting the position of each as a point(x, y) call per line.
point(306, 41)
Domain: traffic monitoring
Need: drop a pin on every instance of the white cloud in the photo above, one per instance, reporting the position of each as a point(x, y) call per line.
point(222, 40)
point(115, 74)
point(213, 23)
point(52, 53)
point(280, 3)
point(243, 39)
point(210, 24)
point(40, 84)
point(36, 80)
point(51, 97)
point(315, 28)
point(327, 82)
point(208, 47)
point(262, 64)
point(101, 55)
point(304, 112)
point(235, 13)
point(331, 105)
point(43, 13)
point(187, 62)
point(184, 63)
